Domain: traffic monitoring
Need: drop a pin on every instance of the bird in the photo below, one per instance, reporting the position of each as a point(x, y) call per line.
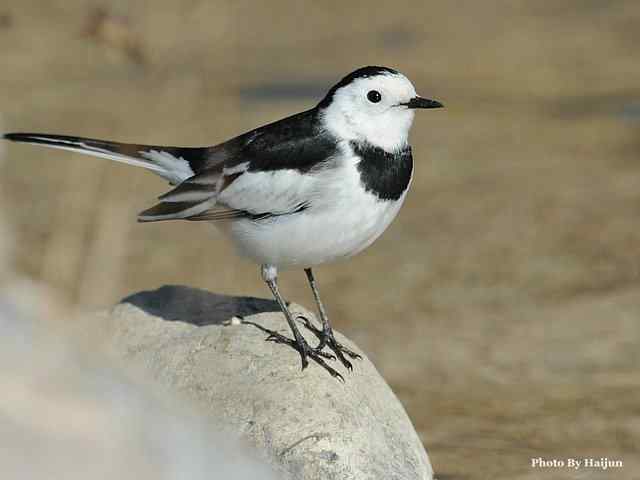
point(312, 188)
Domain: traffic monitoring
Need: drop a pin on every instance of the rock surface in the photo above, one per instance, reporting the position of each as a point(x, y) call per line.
point(307, 424)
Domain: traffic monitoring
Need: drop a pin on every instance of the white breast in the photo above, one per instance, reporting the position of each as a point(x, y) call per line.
point(342, 220)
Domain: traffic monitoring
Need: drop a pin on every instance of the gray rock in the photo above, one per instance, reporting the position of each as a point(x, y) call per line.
point(307, 424)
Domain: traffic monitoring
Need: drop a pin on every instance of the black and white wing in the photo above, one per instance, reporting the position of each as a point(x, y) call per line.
point(264, 173)
point(258, 174)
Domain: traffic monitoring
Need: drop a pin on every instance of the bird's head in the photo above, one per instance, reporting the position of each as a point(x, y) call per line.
point(373, 104)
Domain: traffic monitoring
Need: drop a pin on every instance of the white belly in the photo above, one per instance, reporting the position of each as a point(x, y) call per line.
point(343, 220)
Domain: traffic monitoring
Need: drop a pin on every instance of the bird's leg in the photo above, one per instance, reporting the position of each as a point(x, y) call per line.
point(325, 335)
point(269, 274)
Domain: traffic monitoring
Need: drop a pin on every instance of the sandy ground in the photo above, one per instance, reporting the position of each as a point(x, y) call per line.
point(503, 303)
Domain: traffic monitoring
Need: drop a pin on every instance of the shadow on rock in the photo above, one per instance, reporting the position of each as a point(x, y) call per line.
point(197, 306)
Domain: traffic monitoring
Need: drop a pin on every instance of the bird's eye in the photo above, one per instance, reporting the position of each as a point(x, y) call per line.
point(374, 96)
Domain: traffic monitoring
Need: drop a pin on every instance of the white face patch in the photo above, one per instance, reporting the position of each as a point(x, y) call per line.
point(370, 109)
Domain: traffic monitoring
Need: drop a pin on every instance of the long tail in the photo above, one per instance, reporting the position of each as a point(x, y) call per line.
point(175, 164)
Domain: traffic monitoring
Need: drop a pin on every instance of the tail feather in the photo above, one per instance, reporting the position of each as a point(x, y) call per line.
point(191, 198)
point(174, 211)
point(201, 166)
point(175, 164)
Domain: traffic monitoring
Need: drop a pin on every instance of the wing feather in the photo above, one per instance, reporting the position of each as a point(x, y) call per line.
point(264, 173)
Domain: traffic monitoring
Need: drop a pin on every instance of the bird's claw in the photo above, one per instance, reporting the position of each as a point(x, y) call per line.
point(303, 348)
point(309, 326)
point(278, 338)
point(327, 339)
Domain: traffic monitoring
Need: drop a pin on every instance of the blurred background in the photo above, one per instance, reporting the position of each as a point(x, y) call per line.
point(503, 304)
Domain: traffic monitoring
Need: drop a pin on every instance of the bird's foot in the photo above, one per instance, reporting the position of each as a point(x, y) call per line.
point(279, 338)
point(306, 352)
point(327, 339)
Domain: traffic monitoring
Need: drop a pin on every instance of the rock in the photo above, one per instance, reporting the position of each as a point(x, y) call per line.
point(307, 424)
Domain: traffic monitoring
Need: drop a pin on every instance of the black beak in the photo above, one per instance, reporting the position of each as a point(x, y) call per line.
point(419, 102)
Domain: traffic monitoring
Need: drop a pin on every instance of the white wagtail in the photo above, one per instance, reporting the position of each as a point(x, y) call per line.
point(311, 188)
